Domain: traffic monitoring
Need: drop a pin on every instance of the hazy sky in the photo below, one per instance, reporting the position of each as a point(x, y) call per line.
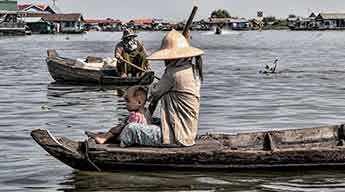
point(179, 9)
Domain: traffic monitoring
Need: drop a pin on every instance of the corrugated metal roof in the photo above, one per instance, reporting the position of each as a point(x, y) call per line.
point(241, 20)
point(32, 19)
point(37, 7)
point(63, 17)
point(102, 21)
point(2, 11)
point(57, 17)
point(142, 21)
point(332, 15)
point(25, 7)
point(219, 20)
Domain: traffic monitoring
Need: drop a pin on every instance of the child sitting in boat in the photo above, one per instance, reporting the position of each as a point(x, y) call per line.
point(132, 130)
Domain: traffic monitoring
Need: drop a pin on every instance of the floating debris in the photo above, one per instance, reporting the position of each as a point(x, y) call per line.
point(270, 69)
point(45, 107)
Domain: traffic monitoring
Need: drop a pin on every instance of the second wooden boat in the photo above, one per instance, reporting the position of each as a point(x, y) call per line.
point(71, 71)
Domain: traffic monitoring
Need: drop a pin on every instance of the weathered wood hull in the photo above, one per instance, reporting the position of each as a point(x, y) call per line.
point(67, 71)
point(312, 147)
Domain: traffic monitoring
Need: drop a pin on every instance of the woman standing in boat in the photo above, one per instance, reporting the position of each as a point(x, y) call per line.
point(179, 94)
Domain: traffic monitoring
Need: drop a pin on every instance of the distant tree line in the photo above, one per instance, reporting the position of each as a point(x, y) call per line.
point(220, 13)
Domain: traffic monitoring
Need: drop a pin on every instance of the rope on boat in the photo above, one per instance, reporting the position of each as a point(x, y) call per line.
point(54, 138)
point(88, 158)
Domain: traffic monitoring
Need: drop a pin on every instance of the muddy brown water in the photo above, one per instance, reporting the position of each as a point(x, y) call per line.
point(308, 91)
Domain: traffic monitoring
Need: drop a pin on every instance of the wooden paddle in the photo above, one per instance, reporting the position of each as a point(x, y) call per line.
point(133, 65)
point(189, 22)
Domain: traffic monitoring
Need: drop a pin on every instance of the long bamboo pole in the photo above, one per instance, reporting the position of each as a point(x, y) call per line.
point(137, 67)
point(189, 21)
point(153, 105)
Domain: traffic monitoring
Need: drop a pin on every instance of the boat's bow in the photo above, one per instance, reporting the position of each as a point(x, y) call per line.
point(51, 53)
point(67, 151)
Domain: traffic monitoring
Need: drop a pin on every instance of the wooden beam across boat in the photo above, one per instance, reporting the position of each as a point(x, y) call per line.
point(309, 147)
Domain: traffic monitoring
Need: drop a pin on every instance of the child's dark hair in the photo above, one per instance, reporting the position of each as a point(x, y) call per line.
point(141, 93)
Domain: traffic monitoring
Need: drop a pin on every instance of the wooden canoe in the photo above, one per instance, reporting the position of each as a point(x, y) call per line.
point(311, 147)
point(69, 71)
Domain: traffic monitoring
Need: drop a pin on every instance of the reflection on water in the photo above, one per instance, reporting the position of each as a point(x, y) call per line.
point(308, 91)
point(205, 181)
point(99, 107)
point(58, 90)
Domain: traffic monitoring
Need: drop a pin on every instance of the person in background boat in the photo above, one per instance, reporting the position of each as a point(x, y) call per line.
point(132, 50)
point(179, 94)
point(219, 30)
point(135, 97)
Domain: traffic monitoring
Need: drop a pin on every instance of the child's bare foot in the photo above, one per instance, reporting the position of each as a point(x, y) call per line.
point(100, 139)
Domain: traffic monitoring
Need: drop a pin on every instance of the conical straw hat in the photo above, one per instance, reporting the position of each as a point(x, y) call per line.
point(175, 46)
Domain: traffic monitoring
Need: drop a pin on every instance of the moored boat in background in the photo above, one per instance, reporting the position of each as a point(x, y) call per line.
point(79, 72)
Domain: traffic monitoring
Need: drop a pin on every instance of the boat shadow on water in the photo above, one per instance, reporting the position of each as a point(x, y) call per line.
point(56, 89)
point(292, 180)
